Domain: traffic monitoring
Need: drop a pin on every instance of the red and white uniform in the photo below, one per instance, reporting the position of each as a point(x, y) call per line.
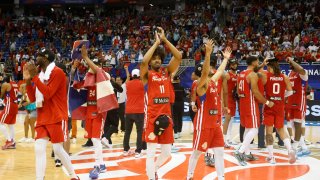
point(157, 98)
point(232, 84)
point(194, 92)
point(51, 116)
point(207, 131)
point(297, 101)
point(249, 109)
point(275, 88)
point(10, 111)
point(219, 89)
point(94, 120)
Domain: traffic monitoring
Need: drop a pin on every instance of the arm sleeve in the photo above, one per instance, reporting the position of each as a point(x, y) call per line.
point(31, 91)
point(53, 85)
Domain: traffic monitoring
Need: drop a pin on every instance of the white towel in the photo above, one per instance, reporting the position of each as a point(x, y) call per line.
point(43, 76)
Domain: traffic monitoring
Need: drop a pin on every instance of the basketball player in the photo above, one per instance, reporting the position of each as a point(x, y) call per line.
point(49, 91)
point(297, 103)
point(158, 125)
point(9, 91)
point(207, 131)
point(94, 120)
point(231, 78)
point(249, 94)
point(277, 87)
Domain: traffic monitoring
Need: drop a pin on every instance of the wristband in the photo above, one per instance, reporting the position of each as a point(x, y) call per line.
point(267, 103)
point(192, 103)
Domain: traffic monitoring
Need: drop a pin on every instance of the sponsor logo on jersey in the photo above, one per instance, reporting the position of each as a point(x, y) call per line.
point(162, 100)
point(213, 112)
point(276, 98)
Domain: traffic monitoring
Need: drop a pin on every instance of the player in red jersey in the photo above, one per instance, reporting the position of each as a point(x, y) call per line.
point(207, 131)
point(277, 87)
point(231, 78)
point(158, 121)
point(94, 120)
point(9, 91)
point(297, 103)
point(49, 91)
point(249, 94)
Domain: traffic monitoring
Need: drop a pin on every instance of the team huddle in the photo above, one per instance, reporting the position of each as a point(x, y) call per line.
point(214, 93)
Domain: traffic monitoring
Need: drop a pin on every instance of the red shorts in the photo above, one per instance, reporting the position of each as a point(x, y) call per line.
point(9, 113)
point(295, 114)
point(94, 127)
point(273, 119)
point(165, 138)
point(249, 121)
point(57, 132)
point(207, 138)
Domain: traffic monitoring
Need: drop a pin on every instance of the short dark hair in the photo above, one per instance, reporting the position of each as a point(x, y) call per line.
point(213, 60)
point(159, 52)
point(251, 59)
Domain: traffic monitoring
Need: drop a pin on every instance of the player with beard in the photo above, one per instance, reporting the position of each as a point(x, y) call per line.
point(207, 131)
point(297, 103)
point(49, 91)
point(277, 87)
point(158, 121)
point(231, 78)
point(250, 95)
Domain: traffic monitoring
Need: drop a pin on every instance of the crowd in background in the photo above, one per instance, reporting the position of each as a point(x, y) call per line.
point(261, 29)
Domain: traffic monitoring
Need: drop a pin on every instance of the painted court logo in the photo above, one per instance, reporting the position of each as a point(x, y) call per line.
point(131, 168)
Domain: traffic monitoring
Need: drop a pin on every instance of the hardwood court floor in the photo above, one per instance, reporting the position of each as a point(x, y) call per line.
point(20, 163)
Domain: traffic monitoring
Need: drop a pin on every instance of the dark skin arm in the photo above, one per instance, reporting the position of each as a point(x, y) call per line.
point(296, 66)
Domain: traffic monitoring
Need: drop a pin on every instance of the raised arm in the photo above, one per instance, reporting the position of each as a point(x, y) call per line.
point(127, 74)
point(177, 56)
point(92, 66)
point(289, 90)
point(203, 81)
point(226, 54)
point(144, 66)
point(296, 66)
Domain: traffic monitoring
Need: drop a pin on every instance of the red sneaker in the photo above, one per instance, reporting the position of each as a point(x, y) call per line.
point(9, 145)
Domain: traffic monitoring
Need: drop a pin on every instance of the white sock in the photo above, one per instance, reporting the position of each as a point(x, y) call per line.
point(41, 160)
point(302, 143)
point(287, 143)
point(4, 130)
point(270, 150)
point(11, 131)
point(219, 162)
point(164, 155)
point(65, 158)
point(98, 151)
point(295, 145)
point(229, 132)
point(193, 162)
point(251, 133)
point(150, 164)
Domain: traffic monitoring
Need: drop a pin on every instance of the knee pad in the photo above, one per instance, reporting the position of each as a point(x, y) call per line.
point(40, 146)
point(290, 124)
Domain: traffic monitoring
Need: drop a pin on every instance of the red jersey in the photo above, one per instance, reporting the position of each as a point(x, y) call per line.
point(298, 99)
point(232, 84)
point(207, 115)
point(135, 93)
point(12, 94)
point(219, 89)
point(194, 91)
point(92, 110)
point(275, 88)
point(248, 103)
point(158, 93)
point(54, 108)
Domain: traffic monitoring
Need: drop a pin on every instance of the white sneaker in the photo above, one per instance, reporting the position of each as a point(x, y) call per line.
point(22, 140)
point(105, 143)
point(176, 135)
point(143, 152)
point(137, 155)
point(30, 140)
point(127, 153)
point(74, 140)
point(271, 160)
